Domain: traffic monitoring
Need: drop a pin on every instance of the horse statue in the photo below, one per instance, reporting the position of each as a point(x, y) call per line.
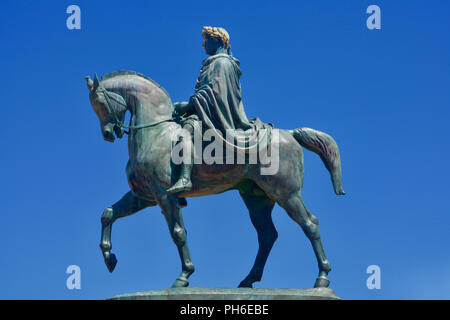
point(149, 172)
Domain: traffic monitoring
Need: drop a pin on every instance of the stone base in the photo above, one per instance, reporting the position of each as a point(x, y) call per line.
point(231, 294)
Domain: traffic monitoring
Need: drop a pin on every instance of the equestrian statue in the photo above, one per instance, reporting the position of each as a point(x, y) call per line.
point(216, 104)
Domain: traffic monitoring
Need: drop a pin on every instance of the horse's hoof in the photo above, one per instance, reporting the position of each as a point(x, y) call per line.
point(180, 283)
point(111, 262)
point(245, 284)
point(322, 282)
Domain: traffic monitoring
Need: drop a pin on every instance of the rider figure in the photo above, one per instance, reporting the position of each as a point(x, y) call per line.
point(217, 101)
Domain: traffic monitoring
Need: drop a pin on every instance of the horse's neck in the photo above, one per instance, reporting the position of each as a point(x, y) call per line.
point(147, 109)
point(147, 102)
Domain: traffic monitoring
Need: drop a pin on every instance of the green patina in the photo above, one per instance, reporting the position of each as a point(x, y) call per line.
point(155, 180)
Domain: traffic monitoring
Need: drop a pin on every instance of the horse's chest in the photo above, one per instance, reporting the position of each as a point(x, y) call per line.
point(144, 176)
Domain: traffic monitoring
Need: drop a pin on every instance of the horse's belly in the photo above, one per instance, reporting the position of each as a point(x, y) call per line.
point(213, 179)
point(143, 177)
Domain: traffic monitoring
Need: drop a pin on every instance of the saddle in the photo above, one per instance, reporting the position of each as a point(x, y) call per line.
point(251, 140)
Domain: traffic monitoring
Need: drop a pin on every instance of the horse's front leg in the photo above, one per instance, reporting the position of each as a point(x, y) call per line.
point(172, 212)
point(126, 206)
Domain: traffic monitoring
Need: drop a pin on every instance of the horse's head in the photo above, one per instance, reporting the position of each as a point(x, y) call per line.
point(110, 108)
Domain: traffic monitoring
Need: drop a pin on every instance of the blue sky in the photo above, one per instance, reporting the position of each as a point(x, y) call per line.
point(382, 94)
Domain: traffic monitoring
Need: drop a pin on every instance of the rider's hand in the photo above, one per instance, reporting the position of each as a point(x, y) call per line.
point(180, 107)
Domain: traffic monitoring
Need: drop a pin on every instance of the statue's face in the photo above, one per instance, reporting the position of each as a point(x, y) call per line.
point(210, 44)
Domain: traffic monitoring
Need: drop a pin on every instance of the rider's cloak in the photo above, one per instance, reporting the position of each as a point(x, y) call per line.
point(218, 100)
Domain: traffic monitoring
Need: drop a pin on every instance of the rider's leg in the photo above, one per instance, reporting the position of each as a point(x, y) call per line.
point(184, 182)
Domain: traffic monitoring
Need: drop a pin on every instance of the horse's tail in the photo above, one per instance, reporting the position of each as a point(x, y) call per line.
point(325, 146)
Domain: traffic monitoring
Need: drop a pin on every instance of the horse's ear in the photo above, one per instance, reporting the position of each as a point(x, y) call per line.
point(96, 82)
point(90, 83)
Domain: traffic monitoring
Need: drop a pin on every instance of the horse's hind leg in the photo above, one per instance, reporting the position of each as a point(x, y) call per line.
point(310, 225)
point(260, 209)
point(126, 206)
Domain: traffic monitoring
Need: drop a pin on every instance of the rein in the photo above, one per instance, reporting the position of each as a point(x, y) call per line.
point(122, 126)
point(119, 123)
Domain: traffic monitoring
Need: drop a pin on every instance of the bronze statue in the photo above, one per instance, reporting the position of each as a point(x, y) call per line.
point(217, 105)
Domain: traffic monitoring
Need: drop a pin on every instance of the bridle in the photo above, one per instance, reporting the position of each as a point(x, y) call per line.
point(117, 122)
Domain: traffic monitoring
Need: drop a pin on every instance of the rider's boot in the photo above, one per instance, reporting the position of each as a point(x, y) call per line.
point(184, 182)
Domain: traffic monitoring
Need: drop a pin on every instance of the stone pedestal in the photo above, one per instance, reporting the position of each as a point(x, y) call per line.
point(231, 294)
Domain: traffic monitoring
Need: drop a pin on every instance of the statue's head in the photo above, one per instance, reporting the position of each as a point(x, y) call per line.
point(109, 107)
point(215, 38)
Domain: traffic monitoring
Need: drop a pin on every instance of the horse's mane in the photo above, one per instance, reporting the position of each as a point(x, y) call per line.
point(127, 72)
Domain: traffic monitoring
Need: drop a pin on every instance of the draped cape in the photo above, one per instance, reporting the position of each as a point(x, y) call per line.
point(218, 100)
